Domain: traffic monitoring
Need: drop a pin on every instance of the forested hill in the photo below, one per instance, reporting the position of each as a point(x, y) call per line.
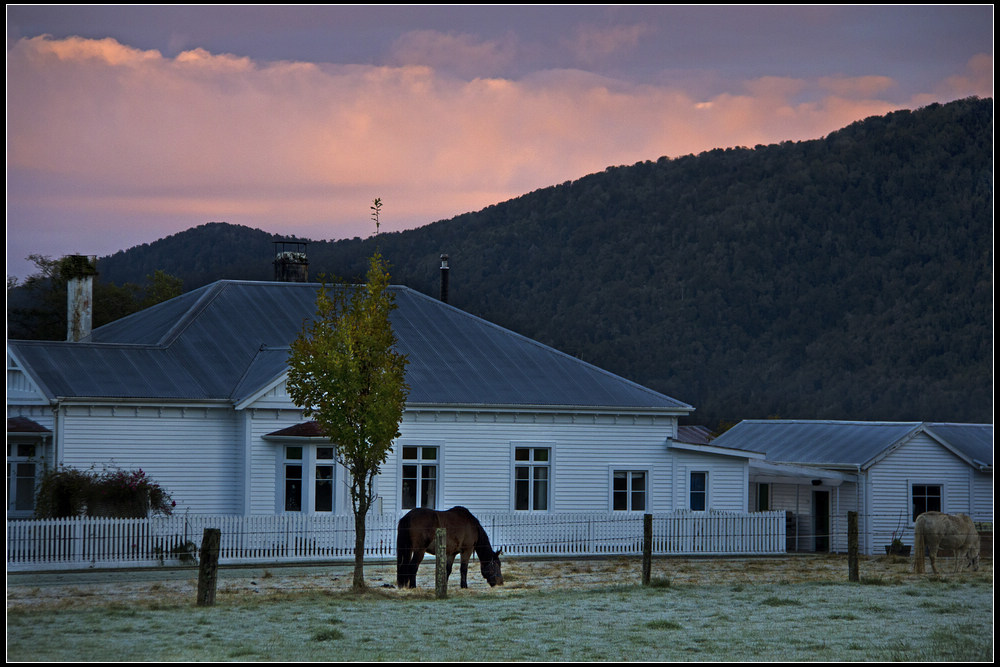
point(848, 277)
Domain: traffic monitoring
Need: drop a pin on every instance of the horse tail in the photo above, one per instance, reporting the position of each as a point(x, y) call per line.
point(404, 554)
point(918, 546)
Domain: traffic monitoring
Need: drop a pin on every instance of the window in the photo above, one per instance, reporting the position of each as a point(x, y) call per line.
point(293, 479)
point(925, 498)
point(699, 491)
point(324, 479)
point(531, 478)
point(22, 469)
point(308, 476)
point(420, 475)
point(628, 491)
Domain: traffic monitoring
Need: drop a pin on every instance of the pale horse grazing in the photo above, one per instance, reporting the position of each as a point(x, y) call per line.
point(936, 530)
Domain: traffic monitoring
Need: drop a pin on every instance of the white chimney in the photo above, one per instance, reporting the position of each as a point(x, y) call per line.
point(79, 271)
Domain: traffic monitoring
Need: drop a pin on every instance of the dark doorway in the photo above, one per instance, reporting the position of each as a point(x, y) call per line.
point(821, 520)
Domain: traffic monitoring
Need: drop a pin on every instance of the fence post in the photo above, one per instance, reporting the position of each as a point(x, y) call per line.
point(852, 547)
point(441, 564)
point(208, 568)
point(647, 548)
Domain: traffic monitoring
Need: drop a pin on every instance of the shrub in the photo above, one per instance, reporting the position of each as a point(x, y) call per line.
point(67, 492)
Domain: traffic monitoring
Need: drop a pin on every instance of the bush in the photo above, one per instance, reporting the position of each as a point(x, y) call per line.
point(67, 492)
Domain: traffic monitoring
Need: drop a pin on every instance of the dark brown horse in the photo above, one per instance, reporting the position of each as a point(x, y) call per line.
point(416, 535)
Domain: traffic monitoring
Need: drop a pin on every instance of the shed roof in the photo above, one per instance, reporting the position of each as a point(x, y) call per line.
point(836, 443)
point(228, 340)
point(973, 440)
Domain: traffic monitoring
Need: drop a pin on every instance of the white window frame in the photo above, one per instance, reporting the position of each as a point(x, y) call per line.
point(629, 471)
point(15, 460)
point(910, 499)
point(691, 491)
point(309, 464)
point(532, 465)
point(437, 463)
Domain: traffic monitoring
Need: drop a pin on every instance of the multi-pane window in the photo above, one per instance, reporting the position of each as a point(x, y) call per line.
point(628, 493)
point(420, 475)
point(698, 491)
point(22, 469)
point(293, 479)
point(308, 475)
point(323, 498)
point(926, 498)
point(532, 471)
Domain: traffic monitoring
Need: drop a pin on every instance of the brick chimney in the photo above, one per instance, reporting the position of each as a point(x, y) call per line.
point(79, 271)
point(290, 262)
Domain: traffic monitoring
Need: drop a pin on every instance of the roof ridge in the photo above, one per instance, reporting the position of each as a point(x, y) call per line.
point(210, 293)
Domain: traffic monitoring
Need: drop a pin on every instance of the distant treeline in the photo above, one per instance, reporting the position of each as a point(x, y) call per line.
point(848, 277)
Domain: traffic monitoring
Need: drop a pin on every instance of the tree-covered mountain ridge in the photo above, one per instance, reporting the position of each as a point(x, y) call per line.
point(848, 277)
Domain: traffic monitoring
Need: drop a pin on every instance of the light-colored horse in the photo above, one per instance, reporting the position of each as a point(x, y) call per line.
point(935, 530)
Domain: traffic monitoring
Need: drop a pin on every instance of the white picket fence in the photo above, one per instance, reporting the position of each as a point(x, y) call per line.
point(103, 543)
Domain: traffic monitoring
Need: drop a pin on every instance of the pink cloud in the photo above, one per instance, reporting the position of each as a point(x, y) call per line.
point(100, 127)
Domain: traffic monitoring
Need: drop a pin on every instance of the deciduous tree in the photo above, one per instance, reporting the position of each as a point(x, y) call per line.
point(345, 373)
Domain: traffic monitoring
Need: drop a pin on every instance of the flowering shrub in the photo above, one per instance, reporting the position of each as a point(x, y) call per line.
point(113, 493)
point(131, 493)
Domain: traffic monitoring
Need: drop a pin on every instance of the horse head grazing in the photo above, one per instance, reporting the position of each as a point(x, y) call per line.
point(491, 569)
point(936, 530)
point(416, 534)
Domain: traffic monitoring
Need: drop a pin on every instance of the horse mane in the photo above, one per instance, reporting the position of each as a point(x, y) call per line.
point(484, 550)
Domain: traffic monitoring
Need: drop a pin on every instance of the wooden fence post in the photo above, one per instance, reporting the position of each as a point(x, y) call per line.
point(647, 548)
point(208, 568)
point(441, 564)
point(852, 547)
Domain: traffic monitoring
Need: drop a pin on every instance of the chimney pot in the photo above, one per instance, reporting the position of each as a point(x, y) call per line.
point(291, 264)
point(444, 278)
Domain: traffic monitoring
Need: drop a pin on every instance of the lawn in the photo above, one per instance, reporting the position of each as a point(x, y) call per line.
point(745, 616)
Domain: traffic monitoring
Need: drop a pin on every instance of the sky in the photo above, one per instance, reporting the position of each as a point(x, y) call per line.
point(127, 124)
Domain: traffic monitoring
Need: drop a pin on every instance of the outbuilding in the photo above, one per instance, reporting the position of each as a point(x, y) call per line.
point(888, 472)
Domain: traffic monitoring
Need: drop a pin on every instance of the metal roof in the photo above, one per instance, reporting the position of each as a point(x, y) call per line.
point(835, 443)
point(230, 340)
point(973, 440)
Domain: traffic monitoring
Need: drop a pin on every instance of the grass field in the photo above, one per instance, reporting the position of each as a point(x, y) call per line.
point(709, 610)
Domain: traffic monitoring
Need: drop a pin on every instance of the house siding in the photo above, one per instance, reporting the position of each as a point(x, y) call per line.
point(584, 449)
point(191, 451)
point(982, 493)
point(727, 481)
point(476, 465)
point(920, 460)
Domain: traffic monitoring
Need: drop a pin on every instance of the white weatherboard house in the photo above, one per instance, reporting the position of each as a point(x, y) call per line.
point(192, 391)
point(888, 472)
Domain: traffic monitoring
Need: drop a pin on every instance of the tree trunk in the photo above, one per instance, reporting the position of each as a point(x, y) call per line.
point(360, 512)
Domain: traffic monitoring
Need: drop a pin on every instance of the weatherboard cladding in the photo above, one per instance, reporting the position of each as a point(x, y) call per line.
point(230, 339)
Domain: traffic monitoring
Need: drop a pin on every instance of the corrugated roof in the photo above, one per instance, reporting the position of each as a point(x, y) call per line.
point(816, 442)
point(852, 443)
point(230, 339)
point(973, 440)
